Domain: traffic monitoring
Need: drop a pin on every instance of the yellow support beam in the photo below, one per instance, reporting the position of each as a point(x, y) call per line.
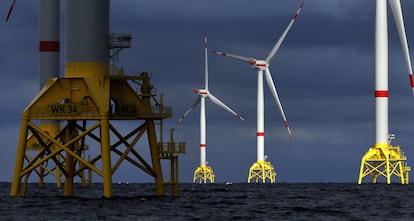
point(384, 161)
point(203, 174)
point(75, 99)
point(18, 165)
point(262, 172)
point(106, 158)
point(168, 151)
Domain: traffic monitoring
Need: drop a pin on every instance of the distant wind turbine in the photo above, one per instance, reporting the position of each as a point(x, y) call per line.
point(262, 169)
point(204, 173)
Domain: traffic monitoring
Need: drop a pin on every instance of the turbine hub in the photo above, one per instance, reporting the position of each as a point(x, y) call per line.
point(259, 64)
point(202, 92)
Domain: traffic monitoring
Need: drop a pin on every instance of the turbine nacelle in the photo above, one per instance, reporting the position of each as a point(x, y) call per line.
point(259, 64)
point(256, 64)
point(202, 92)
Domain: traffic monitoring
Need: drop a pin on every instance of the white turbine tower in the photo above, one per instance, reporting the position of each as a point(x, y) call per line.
point(204, 173)
point(384, 159)
point(262, 170)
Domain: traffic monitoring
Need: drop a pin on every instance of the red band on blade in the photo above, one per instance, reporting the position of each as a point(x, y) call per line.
point(411, 79)
point(286, 124)
point(49, 46)
point(202, 145)
point(381, 93)
point(260, 134)
point(295, 16)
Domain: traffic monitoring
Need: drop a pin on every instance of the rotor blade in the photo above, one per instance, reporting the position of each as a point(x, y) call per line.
point(206, 61)
point(189, 110)
point(247, 59)
point(10, 10)
point(272, 88)
point(221, 104)
point(282, 37)
point(399, 21)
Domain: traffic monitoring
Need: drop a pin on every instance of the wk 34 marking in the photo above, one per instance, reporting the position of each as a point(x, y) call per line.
point(69, 108)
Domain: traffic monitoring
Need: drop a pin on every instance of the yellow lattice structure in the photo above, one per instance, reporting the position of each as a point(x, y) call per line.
point(169, 151)
point(203, 174)
point(88, 106)
point(262, 172)
point(33, 148)
point(384, 161)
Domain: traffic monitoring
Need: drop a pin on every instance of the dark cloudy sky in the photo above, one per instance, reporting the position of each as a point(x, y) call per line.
point(324, 73)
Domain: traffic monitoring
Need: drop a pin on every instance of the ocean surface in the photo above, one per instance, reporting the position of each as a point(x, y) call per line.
point(281, 201)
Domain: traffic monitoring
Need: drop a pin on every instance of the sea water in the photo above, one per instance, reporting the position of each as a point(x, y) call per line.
point(238, 201)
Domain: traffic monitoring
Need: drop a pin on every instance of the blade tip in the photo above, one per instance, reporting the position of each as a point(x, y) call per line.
point(7, 18)
point(181, 119)
point(219, 53)
point(10, 11)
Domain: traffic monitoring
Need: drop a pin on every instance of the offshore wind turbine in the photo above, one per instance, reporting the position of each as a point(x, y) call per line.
point(384, 159)
point(204, 173)
point(262, 170)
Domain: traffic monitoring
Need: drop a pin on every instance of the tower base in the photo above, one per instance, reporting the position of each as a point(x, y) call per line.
point(86, 108)
point(384, 161)
point(203, 174)
point(262, 171)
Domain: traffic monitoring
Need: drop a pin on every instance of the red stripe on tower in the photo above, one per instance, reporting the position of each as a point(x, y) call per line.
point(49, 46)
point(260, 134)
point(381, 93)
point(202, 145)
